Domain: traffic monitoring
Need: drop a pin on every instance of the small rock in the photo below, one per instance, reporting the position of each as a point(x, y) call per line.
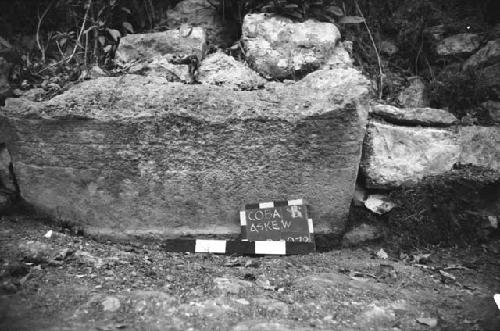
point(388, 47)
point(446, 277)
point(381, 254)
point(414, 95)
point(48, 235)
point(493, 221)
point(496, 297)
point(379, 204)
point(223, 70)
point(111, 304)
point(360, 234)
point(430, 322)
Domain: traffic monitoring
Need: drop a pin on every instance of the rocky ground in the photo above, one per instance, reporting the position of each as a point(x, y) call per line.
point(61, 281)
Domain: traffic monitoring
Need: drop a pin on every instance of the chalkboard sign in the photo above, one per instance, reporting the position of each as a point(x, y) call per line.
point(276, 220)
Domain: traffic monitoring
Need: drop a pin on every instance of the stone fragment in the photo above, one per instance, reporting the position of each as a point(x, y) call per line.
point(414, 116)
point(461, 43)
point(111, 304)
point(394, 155)
point(117, 154)
point(278, 48)
point(223, 70)
point(379, 204)
point(414, 95)
point(493, 108)
point(361, 234)
point(487, 55)
point(144, 47)
point(480, 146)
point(201, 13)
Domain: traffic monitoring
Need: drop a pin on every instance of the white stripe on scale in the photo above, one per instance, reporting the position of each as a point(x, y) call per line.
point(270, 247)
point(263, 205)
point(243, 218)
point(310, 223)
point(296, 202)
point(210, 246)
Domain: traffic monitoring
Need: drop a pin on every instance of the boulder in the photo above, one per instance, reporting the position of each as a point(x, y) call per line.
point(487, 55)
point(493, 109)
point(140, 155)
point(414, 95)
point(414, 116)
point(278, 48)
point(178, 42)
point(223, 70)
point(462, 43)
point(202, 13)
point(394, 155)
point(480, 146)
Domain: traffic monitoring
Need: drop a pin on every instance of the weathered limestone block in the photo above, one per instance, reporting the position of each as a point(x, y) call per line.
point(461, 43)
point(278, 48)
point(139, 155)
point(414, 116)
point(223, 70)
point(177, 42)
point(480, 146)
point(394, 155)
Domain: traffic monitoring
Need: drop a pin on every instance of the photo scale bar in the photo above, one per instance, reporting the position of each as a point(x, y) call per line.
point(238, 247)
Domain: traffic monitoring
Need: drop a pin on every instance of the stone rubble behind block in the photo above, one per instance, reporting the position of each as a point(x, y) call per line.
point(278, 48)
point(170, 43)
point(395, 155)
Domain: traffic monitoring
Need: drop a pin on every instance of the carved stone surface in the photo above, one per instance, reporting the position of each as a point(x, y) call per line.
point(140, 155)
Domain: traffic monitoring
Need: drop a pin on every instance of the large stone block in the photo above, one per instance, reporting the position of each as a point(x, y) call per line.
point(394, 155)
point(139, 155)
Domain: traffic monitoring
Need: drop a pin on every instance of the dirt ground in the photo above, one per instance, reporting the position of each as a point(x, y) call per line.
point(70, 282)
